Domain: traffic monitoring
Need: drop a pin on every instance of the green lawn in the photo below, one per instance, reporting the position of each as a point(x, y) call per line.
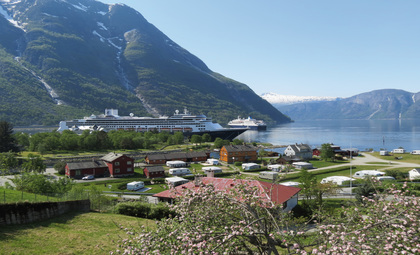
point(87, 233)
point(406, 157)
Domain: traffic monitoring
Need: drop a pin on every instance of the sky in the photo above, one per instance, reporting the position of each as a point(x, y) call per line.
point(298, 47)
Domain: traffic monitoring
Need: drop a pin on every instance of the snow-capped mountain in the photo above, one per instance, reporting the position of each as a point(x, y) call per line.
point(277, 99)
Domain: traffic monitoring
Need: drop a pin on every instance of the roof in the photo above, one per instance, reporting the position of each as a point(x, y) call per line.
point(196, 154)
point(278, 194)
point(238, 148)
point(112, 156)
point(86, 164)
point(152, 169)
point(156, 157)
point(300, 147)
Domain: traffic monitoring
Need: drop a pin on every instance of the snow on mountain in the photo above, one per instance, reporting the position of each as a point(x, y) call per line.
point(278, 99)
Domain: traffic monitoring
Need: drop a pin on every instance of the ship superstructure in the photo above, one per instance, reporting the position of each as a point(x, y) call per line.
point(184, 122)
point(248, 123)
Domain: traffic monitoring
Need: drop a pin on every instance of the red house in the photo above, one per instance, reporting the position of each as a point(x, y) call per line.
point(119, 165)
point(77, 170)
point(154, 171)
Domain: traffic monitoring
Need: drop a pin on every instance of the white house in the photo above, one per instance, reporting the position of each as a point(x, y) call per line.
point(338, 180)
point(399, 150)
point(270, 175)
point(302, 151)
point(302, 165)
point(366, 173)
point(414, 174)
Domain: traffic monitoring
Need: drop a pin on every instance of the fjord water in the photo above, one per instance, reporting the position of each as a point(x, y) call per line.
point(360, 134)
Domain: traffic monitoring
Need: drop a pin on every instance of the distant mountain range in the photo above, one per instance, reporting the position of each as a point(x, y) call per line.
point(64, 59)
point(378, 104)
point(278, 100)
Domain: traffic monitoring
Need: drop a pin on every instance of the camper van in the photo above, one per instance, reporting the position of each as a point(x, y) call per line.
point(179, 171)
point(275, 168)
point(176, 163)
point(399, 150)
point(415, 152)
point(135, 185)
point(366, 173)
point(384, 153)
point(270, 175)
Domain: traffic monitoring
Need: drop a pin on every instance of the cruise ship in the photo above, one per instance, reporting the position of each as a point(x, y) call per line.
point(184, 122)
point(249, 123)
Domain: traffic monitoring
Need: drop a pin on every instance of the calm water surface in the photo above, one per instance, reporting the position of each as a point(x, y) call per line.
point(360, 134)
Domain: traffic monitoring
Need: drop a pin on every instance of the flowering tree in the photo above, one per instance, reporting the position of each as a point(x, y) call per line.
point(208, 221)
point(385, 224)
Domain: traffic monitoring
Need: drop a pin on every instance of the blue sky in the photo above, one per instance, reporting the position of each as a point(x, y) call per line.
point(298, 47)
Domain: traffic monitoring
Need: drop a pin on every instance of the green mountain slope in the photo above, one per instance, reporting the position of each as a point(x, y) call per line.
point(84, 56)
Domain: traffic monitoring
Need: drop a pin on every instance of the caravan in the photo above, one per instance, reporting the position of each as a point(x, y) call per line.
point(270, 175)
point(135, 185)
point(366, 173)
point(179, 171)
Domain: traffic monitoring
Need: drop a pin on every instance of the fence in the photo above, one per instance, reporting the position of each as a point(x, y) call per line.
point(98, 201)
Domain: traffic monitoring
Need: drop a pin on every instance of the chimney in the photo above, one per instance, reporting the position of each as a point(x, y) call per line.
point(197, 181)
point(210, 173)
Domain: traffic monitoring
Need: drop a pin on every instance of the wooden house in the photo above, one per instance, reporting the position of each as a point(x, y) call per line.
point(78, 170)
point(119, 165)
point(241, 153)
point(155, 159)
point(154, 172)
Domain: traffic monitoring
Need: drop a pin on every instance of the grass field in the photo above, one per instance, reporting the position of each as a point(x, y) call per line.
point(88, 233)
point(406, 157)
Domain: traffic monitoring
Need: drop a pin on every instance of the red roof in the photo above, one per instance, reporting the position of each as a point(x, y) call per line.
point(277, 193)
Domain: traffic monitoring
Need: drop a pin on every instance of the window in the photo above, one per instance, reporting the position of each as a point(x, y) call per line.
point(129, 169)
point(117, 170)
point(129, 163)
point(78, 172)
point(117, 163)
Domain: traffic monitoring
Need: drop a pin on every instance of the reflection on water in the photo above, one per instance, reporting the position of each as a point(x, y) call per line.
point(361, 134)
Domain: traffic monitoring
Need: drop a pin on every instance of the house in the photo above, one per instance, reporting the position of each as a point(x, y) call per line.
point(277, 194)
point(78, 170)
point(154, 172)
point(337, 150)
point(119, 165)
point(351, 152)
point(238, 153)
point(287, 160)
point(302, 151)
point(414, 174)
point(398, 151)
point(302, 165)
point(161, 159)
point(338, 180)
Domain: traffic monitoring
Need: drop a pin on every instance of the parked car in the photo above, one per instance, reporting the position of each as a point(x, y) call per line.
point(88, 177)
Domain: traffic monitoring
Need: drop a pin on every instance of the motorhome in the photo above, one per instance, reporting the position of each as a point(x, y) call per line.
point(399, 150)
point(250, 166)
point(213, 169)
point(366, 173)
point(176, 163)
point(179, 171)
point(276, 168)
point(135, 185)
point(416, 152)
point(212, 161)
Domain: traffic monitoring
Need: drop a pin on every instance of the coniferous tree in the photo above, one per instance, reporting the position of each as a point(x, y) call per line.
point(7, 141)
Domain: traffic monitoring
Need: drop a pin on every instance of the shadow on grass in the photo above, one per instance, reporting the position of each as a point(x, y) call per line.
point(8, 231)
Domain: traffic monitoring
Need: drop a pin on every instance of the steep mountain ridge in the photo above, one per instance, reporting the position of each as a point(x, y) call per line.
point(96, 56)
point(378, 104)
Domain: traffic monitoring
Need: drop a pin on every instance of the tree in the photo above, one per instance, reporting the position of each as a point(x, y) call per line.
point(34, 163)
point(7, 140)
point(206, 138)
point(8, 161)
point(327, 152)
point(208, 221)
point(312, 190)
point(195, 139)
point(60, 167)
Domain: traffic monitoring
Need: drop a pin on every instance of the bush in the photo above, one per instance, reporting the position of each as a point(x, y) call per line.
point(143, 210)
point(238, 163)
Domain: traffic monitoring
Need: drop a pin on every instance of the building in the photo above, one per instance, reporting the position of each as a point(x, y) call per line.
point(414, 174)
point(154, 172)
point(302, 151)
point(119, 165)
point(78, 170)
point(279, 195)
point(238, 153)
point(161, 159)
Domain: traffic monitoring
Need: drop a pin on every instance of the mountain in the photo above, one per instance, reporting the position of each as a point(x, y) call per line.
point(64, 59)
point(378, 104)
point(278, 100)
